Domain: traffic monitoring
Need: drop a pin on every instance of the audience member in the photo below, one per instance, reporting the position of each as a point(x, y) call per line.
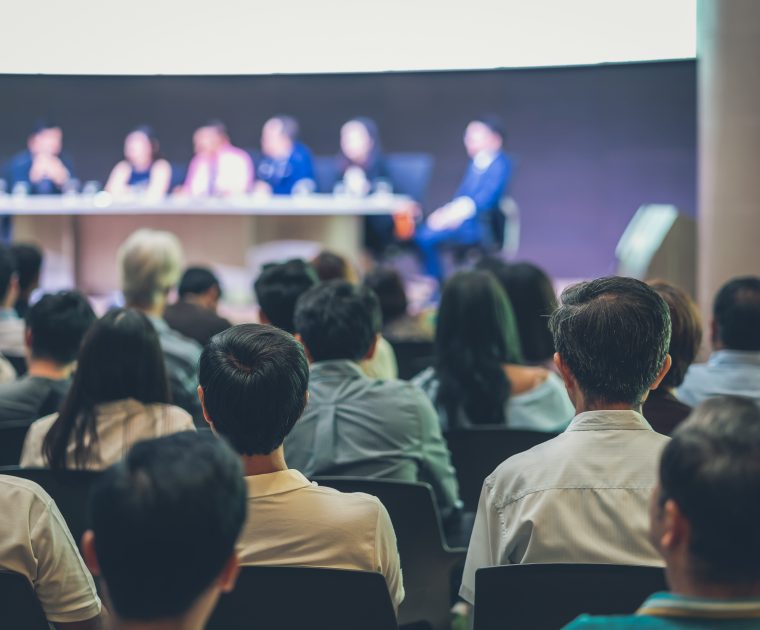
point(533, 299)
point(478, 376)
point(119, 395)
point(164, 525)
point(332, 266)
point(254, 383)
point(142, 170)
point(11, 325)
point(28, 259)
point(278, 288)
point(150, 262)
point(55, 327)
point(662, 409)
point(473, 217)
point(399, 325)
point(36, 543)
point(734, 366)
point(42, 168)
point(218, 169)
point(355, 425)
point(194, 314)
point(704, 518)
point(286, 164)
point(583, 496)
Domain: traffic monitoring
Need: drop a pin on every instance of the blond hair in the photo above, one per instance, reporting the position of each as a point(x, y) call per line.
point(151, 263)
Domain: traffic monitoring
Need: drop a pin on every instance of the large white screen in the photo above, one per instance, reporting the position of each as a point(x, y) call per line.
point(313, 36)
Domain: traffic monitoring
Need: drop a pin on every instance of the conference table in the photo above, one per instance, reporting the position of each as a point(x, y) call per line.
point(82, 233)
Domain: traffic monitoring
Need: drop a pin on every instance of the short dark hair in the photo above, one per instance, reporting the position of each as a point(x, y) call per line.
point(388, 285)
point(58, 323)
point(166, 519)
point(290, 126)
point(197, 280)
point(686, 331)
point(331, 266)
point(28, 259)
point(737, 314)
point(7, 269)
point(43, 124)
point(278, 288)
point(217, 125)
point(613, 334)
point(254, 379)
point(338, 320)
point(711, 470)
point(494, 123)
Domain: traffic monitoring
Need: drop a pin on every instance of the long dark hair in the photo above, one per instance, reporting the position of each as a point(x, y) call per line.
point(120, 358)
point(374, 159)
point(150, 134)
point(475, 337)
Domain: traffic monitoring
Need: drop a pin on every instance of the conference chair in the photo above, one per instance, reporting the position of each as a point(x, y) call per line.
point(298, 598)
point(427, 561)
point(19, 606)
point(413, 357)
point(410, 173)
point(549, 596)
point(70, 489)
point(12, 434)
point(476, 451)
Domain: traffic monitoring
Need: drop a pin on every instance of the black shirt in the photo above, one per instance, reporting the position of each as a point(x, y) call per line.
point(194, 321)
point(31, 397)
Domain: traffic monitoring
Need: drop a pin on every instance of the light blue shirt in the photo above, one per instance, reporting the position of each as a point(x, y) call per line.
point(727, 372)
point(668, 611)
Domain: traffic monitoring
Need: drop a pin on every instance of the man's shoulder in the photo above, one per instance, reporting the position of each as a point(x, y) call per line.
point(616, 623)
point(348, 506)
point(23, 493)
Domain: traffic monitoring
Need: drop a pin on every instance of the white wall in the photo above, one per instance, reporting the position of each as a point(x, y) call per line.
point(281, 36)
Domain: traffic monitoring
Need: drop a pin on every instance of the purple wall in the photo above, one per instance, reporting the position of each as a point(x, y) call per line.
point(592, 143)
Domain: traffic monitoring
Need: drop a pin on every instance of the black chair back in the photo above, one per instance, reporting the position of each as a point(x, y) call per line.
point(478, 450)
point(413, 357)
point(19, 606)
point(426, 560)
point(410, 173)
point(12, 434)
point(549, 596)
point(326, 173)
point(296, 598)
point(70, 489)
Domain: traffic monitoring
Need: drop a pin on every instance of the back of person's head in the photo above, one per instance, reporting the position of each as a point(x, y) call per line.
point(476, 335)
point(254, 379)
point(164, 523)
point(278, 288)
point(332, 266)
point(338, 321)
point(150, 263)
point(56, 325)
point(533, 299)
point(388, 285)
point(8, 272)
point(736, 312)
point(711, 471)
point(197, 281)
point(613, 335)
point(120, 358)
point(686, 331)
point(28, 259)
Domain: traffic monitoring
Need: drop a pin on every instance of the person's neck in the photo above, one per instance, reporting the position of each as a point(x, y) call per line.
point(686, 584)
point(605, 406)
point(45, 368)
point(155, 310)
point(264, 464)
point(198, 300)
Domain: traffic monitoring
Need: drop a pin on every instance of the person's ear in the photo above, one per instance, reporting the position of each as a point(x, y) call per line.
point(206, 417)
point(372, 348)
point(665, 368)
point(564, 371)
point(28, 338)
point(675, 527)
point(88, 552)
point(299, 339)
point(229, 574)
point(714, 338)
point(263, 319)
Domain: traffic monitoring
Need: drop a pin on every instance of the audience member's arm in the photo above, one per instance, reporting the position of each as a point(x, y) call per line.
point(98, 623)
point(387, 560)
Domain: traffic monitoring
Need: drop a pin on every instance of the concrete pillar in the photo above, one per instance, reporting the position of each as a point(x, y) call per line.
point(728, 52)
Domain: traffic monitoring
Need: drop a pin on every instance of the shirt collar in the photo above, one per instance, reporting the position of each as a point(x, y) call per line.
point(483, 160)
point(336, 368)
point(673, 605)
point(734, 357)
point(603, 420)
point(275, 483)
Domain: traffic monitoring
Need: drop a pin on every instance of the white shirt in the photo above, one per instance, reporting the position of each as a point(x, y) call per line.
point(293, 522)
point(35, 542)
point(11, 333)
point(580, 497)
point(119, 425)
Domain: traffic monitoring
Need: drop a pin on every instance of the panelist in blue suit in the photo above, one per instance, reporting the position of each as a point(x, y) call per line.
point(286, 163)
point(473, 217)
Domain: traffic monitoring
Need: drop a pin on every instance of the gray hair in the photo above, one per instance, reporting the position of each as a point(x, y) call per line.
point(151, 263)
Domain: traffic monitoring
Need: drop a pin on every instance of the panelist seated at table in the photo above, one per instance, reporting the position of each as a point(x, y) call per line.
point(473, 216)
point(42, 168)
point(286, 164)
point(218, 169)
point(142, 170)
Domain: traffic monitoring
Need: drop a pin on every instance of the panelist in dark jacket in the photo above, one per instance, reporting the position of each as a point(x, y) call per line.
point(286, 163)
point(473, 216)
point(42, 167)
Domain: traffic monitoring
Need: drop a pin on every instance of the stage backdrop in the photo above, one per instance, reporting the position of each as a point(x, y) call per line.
point(591, 143)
